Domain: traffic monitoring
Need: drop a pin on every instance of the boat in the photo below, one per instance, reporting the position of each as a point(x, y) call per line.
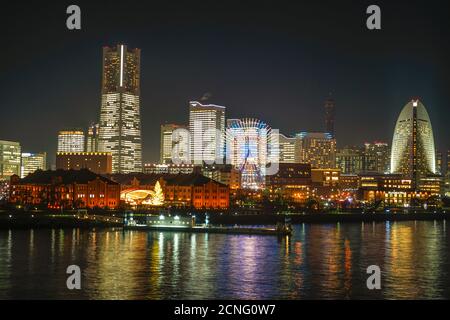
point(178, 223)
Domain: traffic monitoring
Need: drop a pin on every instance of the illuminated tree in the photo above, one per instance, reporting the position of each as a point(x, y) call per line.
point(158, 196)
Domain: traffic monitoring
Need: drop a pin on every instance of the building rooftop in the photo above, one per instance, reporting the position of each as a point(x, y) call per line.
point(194, 179)
point(82, 176)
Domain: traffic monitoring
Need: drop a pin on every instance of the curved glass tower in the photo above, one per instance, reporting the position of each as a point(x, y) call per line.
point(413, 153)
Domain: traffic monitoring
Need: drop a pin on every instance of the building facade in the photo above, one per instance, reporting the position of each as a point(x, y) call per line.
point(376, 157)
point(65, 189)
point(207, 133)
point(10, 159)
point(71, 141)
point(329, 116)
point(289, 149)
point(318, 149)
point(396, 190)
point(413, 151)
point(174, 147)
point(350, 160)
point(156, 168)
point(184, 191)
point(92, 138)
point(97, 162)
point(292, 183)
point(32, 162)
point(120, 120)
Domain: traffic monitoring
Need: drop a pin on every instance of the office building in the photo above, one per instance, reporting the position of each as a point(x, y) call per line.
point(329, 116)
point(32, 162)
point(289, 149)
point(10, 158)
point(207, 129)
point(71, 141)
point(120, 121)
point(376, 157)
point(350, 160)
point(318, 149)
point(174, 144)
point(92, 138)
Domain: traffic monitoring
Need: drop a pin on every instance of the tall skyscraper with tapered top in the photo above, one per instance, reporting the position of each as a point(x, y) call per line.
point(329, 116)
point(120, 121)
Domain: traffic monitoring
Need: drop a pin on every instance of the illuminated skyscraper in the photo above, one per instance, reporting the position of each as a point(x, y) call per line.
point(350, 160)
point(289, 149)
point(174, 144)
point(318, 149)
point(92, 138)
point(413, 153)
point(32, 162)
point(120, 122)
point(71, 141)
point(207, 128)
point(329, 116)
point(10, 155)
point(376, 157)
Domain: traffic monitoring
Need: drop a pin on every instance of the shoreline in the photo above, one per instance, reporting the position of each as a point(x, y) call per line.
point(29, 220)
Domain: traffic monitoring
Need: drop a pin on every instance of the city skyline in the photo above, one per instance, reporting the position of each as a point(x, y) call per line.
point(282, 76)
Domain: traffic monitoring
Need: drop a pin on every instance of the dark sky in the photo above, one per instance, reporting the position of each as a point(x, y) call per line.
point(268, 59)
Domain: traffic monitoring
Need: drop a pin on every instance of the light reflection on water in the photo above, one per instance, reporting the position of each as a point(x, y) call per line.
point(317, 262)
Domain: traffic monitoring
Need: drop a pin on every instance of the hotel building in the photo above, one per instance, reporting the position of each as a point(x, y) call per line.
point(413, 153)
point(207, 129)
point(350, 160)
point(120, 122)
point(376, 157)
point(71, 141)
point(318, 149)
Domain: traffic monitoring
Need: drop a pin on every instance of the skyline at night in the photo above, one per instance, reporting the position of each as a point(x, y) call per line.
point(279, 70)
point(214, 158)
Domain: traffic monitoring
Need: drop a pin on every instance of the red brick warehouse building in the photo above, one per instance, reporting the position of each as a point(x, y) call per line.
point(65, 189)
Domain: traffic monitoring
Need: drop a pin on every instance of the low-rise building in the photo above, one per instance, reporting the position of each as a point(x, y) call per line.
point(169, 168)
point(396, 189)
point(65, 189)
point(292, 182)
point(182, 190)
point(98, 162)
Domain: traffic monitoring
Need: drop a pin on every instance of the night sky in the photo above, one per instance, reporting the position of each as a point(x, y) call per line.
point(271, 60)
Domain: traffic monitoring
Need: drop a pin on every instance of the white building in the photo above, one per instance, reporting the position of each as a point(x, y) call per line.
point(32, 162)
point(174, 144)
point(71, 141)
point(207, 133)
point(413, 152)
point(10, 153)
